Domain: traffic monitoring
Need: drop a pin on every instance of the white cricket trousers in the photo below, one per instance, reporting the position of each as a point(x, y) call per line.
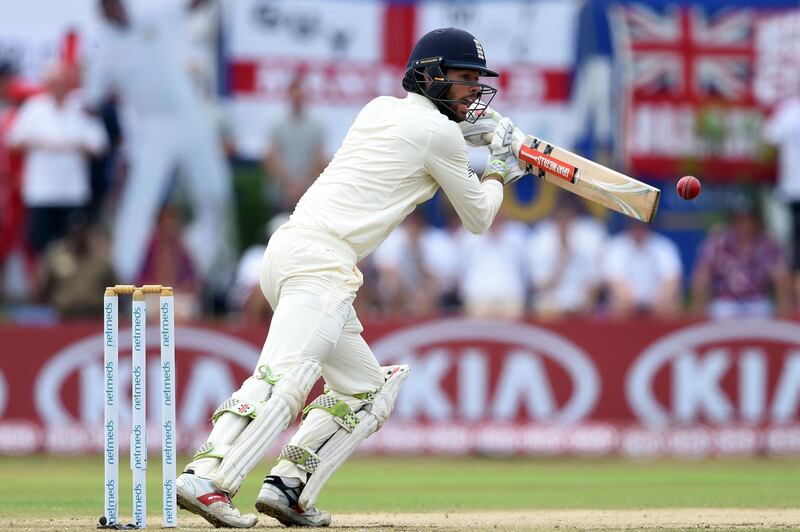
point(310, 279)
point(159, 146)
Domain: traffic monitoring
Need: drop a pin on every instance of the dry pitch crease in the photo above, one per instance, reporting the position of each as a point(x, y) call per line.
point(653, 519)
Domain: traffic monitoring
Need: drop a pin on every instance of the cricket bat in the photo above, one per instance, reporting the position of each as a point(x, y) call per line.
point(588, 179)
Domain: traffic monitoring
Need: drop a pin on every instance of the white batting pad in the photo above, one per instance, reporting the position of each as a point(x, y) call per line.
point(229, 424)
point(342, 444)
point(282, 407)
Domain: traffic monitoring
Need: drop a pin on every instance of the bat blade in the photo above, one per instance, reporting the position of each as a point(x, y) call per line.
point(589, 179)
point(594, 181)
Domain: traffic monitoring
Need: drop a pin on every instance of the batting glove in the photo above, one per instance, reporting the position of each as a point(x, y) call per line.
point(503, 152)
point(474, 132)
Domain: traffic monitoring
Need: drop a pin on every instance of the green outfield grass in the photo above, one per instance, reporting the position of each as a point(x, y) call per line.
point(40, 485)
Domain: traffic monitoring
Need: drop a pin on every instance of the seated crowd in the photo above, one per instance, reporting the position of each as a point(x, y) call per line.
point(56, 253)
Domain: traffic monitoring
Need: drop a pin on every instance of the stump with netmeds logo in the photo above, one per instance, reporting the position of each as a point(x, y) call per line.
point(138, 436)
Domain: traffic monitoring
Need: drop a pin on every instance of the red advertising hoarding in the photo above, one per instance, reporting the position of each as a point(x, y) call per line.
point(597, 388)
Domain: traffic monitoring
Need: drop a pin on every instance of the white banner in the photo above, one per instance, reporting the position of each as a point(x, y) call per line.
point(268, 41)
point(307, 29)
point(32, 32)
point(512, 32)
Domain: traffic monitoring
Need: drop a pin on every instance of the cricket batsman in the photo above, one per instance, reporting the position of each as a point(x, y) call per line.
point(396, 155)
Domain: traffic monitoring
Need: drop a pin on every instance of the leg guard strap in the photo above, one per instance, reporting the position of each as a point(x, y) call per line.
point(305, 459)
point(236, 406)
point(231, 418)
point(340, 411)
point(342, 444)
point(211, 450)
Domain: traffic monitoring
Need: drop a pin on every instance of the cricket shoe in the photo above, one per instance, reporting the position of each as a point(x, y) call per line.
point(278, 500)
point(201, 497)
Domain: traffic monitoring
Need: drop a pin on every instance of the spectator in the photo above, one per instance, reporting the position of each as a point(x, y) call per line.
point(6, 79)
point(296, 154)
point(783, 130)
point(415, 267)
point(58, 138)
point(740, 270)
point(141, 61)
point(642, 270)
point(492, 271)
point(168, 263)
point(563, 262)
point(75, 269)
point(11, 205)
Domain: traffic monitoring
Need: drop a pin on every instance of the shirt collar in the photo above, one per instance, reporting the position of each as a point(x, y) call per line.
point(418, 99)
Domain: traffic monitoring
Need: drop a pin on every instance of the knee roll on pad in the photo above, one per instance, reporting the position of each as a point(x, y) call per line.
point(342, 444)
point(284, 404)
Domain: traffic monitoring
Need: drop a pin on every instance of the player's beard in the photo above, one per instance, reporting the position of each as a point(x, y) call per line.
point(460, 108)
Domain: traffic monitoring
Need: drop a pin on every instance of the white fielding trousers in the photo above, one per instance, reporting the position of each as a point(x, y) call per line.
point(157, 148)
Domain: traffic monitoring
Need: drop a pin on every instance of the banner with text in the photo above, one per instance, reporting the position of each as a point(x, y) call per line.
point(598, 388)
point(697, 81)
point(346, 64)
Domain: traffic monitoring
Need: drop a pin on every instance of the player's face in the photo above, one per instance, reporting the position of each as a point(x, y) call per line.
point(464, 93)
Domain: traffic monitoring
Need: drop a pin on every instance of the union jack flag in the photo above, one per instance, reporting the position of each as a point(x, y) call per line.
point(687, 53)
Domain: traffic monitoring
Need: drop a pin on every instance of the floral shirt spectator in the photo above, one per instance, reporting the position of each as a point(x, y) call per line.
point(738, 270)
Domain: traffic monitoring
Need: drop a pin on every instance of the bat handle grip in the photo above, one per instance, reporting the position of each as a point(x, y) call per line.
point(516, 145)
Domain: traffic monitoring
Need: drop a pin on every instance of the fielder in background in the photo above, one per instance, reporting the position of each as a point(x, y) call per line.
point(396, 155)
point(141, 60)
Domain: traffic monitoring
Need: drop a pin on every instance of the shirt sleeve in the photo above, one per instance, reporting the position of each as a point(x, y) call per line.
point(95, 138)
point(23, 128)
point(446, 161)
point(669, 259)
point(611, 263)
point(782, 122)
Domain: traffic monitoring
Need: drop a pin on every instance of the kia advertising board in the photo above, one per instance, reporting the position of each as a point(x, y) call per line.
point(589, 388)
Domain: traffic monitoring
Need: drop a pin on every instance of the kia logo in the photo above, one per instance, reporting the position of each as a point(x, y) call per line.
point(719, 372)
point(456, 372)
point(208, 356)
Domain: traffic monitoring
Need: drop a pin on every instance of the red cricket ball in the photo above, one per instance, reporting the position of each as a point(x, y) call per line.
point(688, 187)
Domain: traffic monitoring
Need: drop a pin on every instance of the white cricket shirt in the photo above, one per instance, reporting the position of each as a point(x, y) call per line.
point(783, 130)
point(145, 63)
point(397, 153)
point(644, 267)
point(56, 166)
